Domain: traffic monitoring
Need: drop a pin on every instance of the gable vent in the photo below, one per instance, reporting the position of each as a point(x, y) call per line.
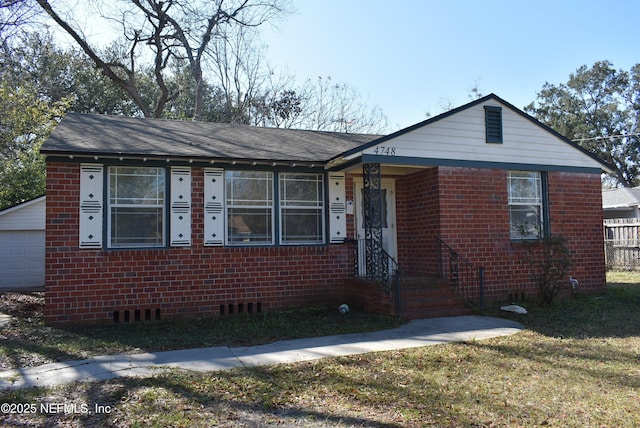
point(493, 122)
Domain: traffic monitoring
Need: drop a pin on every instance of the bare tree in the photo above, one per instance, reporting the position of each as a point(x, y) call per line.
point(172, 30)
point(340, 108)
point(15, 13)
point(254, 93)
point(166, 48)
point(237, 67)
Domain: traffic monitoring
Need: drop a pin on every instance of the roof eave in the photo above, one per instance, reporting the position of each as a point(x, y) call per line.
point(200, 160)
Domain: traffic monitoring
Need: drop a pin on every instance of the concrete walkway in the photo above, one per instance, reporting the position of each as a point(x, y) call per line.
point(4, 319)
point(416, 333)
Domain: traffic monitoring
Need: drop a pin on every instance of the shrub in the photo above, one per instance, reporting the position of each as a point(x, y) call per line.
point(550, 261)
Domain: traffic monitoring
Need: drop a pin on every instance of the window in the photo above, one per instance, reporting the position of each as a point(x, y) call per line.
point(148, 207)
point(301, 208)
point(249, 196)
point(136, 207)
point(525, 204)
point(493, 124)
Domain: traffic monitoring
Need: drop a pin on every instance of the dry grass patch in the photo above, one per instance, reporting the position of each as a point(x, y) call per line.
point(576, 365)
point(525, 380)
point(26, 341)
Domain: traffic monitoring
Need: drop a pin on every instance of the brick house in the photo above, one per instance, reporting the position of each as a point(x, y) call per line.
point(150, 218)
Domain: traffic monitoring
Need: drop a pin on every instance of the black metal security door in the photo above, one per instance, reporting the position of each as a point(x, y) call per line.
point(376, 261)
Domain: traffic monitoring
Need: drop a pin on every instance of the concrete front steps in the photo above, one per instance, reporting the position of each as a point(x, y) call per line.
point(426, 297)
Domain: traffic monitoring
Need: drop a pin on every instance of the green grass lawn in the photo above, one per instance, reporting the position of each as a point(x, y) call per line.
point(577, 364)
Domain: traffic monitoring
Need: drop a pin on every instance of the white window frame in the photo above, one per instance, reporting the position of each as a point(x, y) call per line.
point(312, 206)
point(518, 202)
point(267, 203)
point(159, 202)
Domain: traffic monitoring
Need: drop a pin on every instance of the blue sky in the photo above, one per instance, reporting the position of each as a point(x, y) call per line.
point(411, 57)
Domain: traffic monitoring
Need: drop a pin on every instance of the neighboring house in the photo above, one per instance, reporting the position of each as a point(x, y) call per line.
point(22, 245)
point(621, 203)
point(151, 218)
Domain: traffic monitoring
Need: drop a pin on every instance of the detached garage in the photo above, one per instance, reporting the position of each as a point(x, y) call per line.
point(22, 245)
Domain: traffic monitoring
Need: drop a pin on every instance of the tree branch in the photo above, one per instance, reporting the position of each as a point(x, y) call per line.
point(107, 68)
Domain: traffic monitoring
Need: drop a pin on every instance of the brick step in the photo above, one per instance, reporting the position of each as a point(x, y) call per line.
point(422, 282)
point(432, 303)
point(436, 312)
point(426, 297)
point(427, 293)
point(422, 297)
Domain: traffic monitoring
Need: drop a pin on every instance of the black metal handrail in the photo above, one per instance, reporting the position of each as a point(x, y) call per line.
point(387, 273)
point(466, 279)
point(392, 272)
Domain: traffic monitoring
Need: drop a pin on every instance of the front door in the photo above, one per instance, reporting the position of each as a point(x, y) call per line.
point(388, 221)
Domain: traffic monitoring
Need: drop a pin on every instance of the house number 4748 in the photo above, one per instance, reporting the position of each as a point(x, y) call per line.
point(385, 151)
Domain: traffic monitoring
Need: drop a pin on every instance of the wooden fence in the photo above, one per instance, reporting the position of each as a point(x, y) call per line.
point(622, 243)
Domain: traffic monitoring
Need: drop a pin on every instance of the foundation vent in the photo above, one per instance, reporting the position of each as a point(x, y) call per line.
point(136, 315)
point(241, 308)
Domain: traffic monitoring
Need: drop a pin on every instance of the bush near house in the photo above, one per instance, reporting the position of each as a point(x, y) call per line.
point(550, 260)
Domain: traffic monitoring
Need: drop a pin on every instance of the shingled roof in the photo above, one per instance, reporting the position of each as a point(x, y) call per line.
point(98, 135)
point(621, 198)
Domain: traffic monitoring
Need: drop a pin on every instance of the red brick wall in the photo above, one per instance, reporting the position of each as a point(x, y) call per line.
point(474, 220)
point(575, 201)
point(466, 207)
point(418, 222)
point(89, 285)
point(364, 295)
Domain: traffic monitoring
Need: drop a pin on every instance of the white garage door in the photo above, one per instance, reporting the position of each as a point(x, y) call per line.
point(21, 258)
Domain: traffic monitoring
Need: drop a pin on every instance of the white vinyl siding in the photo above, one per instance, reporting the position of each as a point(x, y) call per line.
point(28, 215)
point(301, 208)
point(462, 137)
point(22, 244)
point(180, 206)
point(337, 208)
point(214, 207)
point(91, 205)
point(526, 204)
point(22, 258)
